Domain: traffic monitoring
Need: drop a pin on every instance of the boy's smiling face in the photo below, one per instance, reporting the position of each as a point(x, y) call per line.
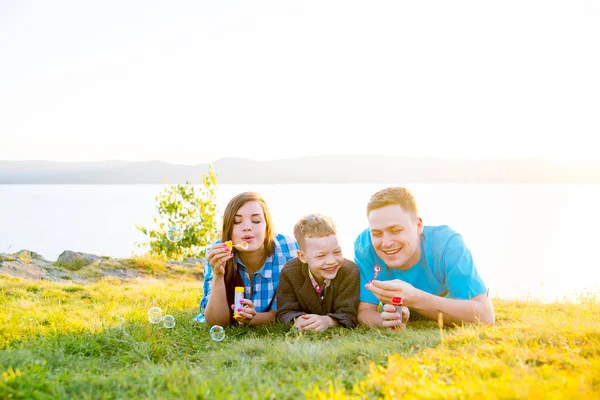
point(323, 256)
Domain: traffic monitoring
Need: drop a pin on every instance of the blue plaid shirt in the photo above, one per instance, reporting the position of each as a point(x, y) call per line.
point(265, 280)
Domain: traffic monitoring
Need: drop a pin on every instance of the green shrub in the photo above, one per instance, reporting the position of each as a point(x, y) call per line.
point(190, 208)
point(147, 263)
point(90, 271)
point(74, 265)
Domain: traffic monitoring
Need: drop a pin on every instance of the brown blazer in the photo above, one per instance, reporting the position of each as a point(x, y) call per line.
point(297, 296)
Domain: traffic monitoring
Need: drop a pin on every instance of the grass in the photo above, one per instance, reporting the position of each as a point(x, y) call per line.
point(74, 265)
point(147, 263)
point(64, 340)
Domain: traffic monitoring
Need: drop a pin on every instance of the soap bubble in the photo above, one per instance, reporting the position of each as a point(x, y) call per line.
point(174, 234)
point(217, 333)
point(155, 315)
point(168, 321)
point(243, 245)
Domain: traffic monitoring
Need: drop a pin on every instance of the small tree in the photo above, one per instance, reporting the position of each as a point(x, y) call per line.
point(191, 213)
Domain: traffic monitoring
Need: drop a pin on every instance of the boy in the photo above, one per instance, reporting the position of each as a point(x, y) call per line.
point(318, 289)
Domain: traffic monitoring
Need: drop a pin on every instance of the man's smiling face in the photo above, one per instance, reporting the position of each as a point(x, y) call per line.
point(395, 234)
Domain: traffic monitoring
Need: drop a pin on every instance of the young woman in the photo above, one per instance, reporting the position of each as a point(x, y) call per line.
point(255, 267)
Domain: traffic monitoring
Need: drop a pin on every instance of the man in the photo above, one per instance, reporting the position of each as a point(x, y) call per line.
point(429, 267)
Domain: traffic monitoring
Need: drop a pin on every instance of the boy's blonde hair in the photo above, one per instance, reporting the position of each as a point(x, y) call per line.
point(313, 225)
point(393, 196)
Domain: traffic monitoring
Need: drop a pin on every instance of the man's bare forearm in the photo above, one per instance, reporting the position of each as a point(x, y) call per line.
point(476, 310)
point(370, 318)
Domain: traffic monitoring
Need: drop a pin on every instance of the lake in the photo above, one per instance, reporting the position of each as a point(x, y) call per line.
point(528, 241)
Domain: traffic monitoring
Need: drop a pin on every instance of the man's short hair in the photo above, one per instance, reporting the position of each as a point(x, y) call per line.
point(313, 225)
point(393, 196)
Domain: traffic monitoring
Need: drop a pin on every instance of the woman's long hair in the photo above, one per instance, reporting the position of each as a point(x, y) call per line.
point(228, 221)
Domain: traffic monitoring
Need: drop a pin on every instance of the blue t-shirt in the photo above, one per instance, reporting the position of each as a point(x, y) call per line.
point(445, 267)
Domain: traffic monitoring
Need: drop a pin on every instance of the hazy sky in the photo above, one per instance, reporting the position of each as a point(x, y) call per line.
point(191, 82)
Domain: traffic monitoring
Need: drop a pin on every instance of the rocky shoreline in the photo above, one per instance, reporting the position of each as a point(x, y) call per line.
point(86, 268)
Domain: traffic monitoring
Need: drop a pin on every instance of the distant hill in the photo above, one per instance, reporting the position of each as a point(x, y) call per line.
point(316, 169)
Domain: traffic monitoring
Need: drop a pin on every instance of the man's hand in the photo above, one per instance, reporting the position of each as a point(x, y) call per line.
point(314, 322)
point(391, 319)
point(385, 291)
point(478, 309)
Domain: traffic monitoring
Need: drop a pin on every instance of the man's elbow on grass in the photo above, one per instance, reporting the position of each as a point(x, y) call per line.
point(489, 320)
point(363, 320)
point(484, 310)
point(368, 314)
point(487, 317)
point(478, 310)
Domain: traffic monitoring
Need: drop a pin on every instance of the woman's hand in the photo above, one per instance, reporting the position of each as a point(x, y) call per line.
point(246, 311)
point(217, 257)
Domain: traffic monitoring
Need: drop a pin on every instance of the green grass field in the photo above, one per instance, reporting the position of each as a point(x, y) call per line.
point(63, 340)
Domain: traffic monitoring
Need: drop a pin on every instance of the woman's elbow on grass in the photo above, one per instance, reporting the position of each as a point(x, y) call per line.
point(211, 320)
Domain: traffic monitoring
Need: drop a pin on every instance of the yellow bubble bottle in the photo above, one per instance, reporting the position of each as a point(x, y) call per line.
point(237, 297)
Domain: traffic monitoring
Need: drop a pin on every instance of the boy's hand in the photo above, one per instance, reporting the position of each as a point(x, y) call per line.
point(391, 319)
point(314, 322)
point(299, 321)
point(246, 310)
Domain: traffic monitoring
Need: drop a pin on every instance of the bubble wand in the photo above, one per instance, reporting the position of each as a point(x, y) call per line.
point(376, 271)
point(239, 246)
